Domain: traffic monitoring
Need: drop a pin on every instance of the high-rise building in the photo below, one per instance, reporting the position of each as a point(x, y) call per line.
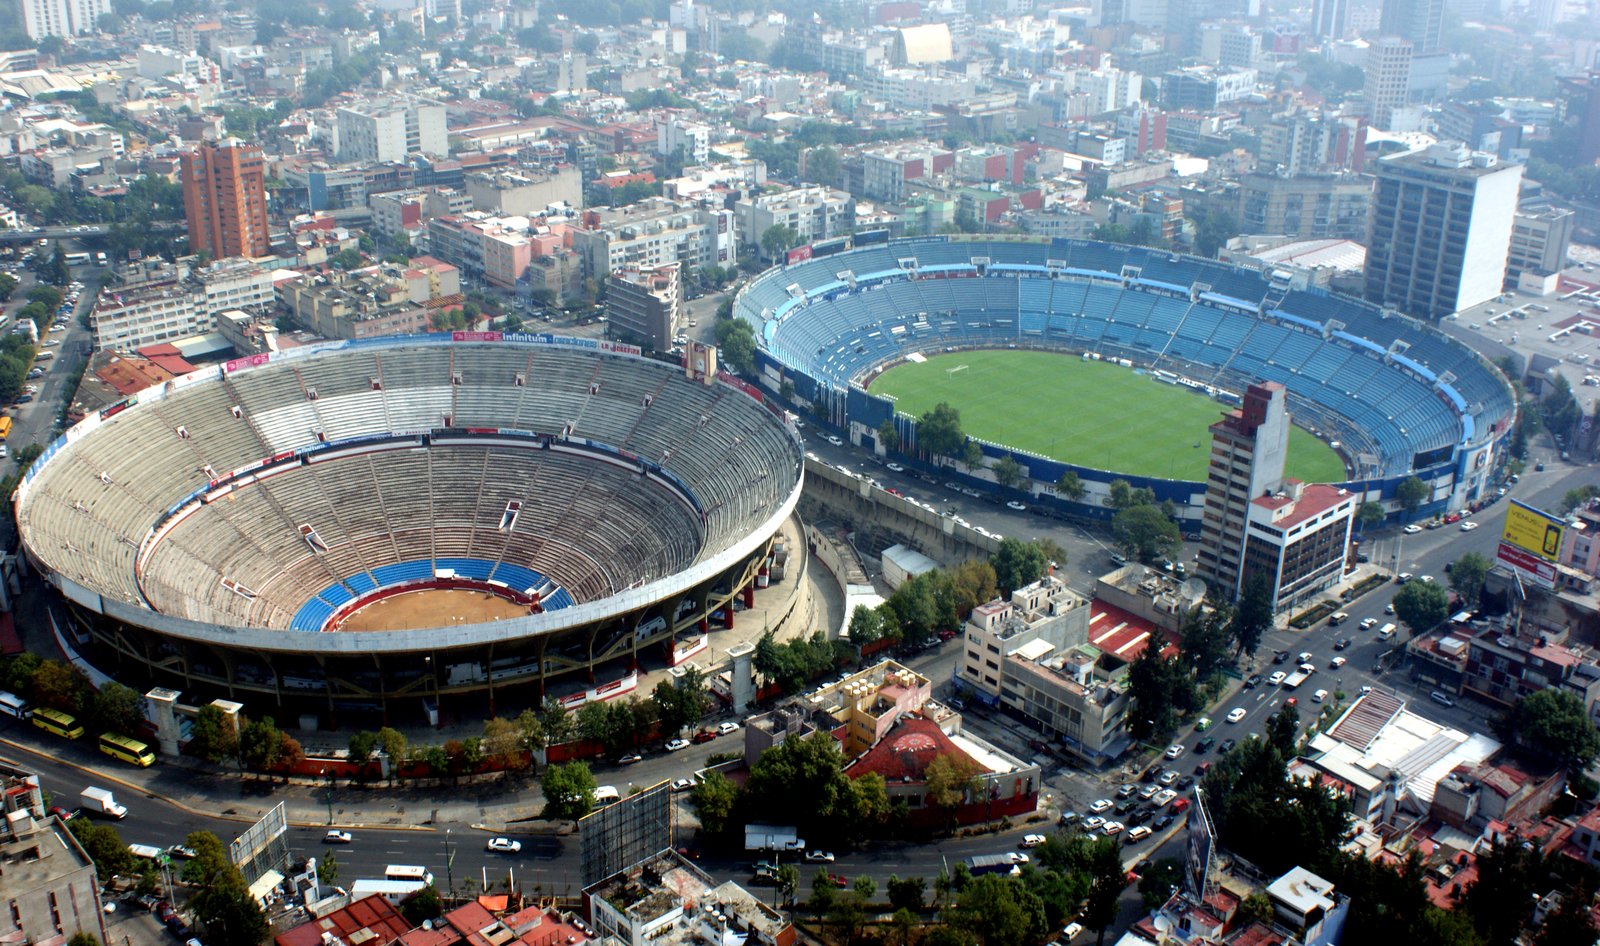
point(1248, 448)
point(1388, 79)
point(225, 199)
point(1441, 229)
point(644, 305)
point(41, 18)
point(389, 131)
point(1420, 21)
point(1330, 19)
point(1581, 95)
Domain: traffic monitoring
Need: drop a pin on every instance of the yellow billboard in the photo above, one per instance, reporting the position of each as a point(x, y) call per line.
point(1532, 531)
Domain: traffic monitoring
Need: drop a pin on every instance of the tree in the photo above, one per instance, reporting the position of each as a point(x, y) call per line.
point(103, 845)
point(998, 912)
point(681, 702)
point(421, 906)
point(1507, 873)
point(950, 781)
point(1410, 493)
point(117, 708)
point(939, 430)
point(714, 799)
point(972, 456)
point(1579, 496)
point(213, 737)
point(1069, 486)
point(261, 744)
point(1204, 641)
point(805, 778)
point(1146, 533)
point(888, 437)
point(82, 938)
point(1159, 689)
point(736, 344)
point(973, 582)
point(220, 900)
point(1159, 881)
point(778, 239)
point(8, 285)
point(556, 720)
point(56, 272)
point(1253, 614)
point(907, 894)
point(1421, 605)
point(1017, 563)
point(328, 869)
point(1467, 574)
point(1007, 471)
point(1369, 515)
point(502, 745)
point(1107, 881)
point(866, 625)
point(57, 685)
point(394, 744)
point(568, 790)
point(1282, 729)
point(362, 745)
point(1552, 724)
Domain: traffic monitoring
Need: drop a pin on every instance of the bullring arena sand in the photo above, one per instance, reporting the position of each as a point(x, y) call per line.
point(432, 607)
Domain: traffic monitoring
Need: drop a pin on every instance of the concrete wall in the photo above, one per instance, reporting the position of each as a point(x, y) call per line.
point(881, 519)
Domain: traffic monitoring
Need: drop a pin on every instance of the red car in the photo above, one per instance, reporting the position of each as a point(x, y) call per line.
point(704, 735)
point(839, 880)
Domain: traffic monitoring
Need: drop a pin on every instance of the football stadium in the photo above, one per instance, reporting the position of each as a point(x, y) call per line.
point(1387, 396)
point(349, 524)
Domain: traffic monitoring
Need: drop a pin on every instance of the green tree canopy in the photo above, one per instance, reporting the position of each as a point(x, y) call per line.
point(1553, 725)
point(736, 345)
point(939, 430)
point(568, 790)
point(1145, 532)
point(1421, 605)
point(1410, 494)
point(1467, 575)
point(1018, 563)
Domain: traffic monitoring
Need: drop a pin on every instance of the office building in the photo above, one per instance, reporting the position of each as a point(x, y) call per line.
point(1330, 19)
point(388, 131)
point(525, 191)
point(41, 18)
point(225, 199)
point(1419, 21)
point(813, 211)
point(50, 887)
point(1299, 537)
point(1540, 238)
point(674, 132)
point(1306, 207)
point(1204, 88)
point(643, 305)
point(1581, 97)
point(1388, 79)
point(1248, 448)
point(1441, 230)
point(652, 233)
point(152, 301)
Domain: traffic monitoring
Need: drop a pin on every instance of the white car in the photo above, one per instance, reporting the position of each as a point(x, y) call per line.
point(726, 728)
point(1112, 827)
point(682, 785)
point(1164, 796)
point(1368, 624)
point(1412, 529)
point(1337, 662)
point(503, 846)
point(819, 857)
point(1102, 806)
point(894, 468)
point(1175, 750)
point(1016, 506)
point(673, 745)
point(1237, 715)
point(1092, 822)
point(1032, 840)
point(1468, 526)
point(833, 439)
point(1278, 676)
point(1070, 931)
point(337, 837)
point(1017, 857)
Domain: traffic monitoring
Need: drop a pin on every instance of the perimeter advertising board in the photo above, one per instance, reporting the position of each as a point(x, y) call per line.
point(1531, 543)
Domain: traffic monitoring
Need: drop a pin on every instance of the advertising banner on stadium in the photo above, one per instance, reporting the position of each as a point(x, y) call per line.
point(1531, 543)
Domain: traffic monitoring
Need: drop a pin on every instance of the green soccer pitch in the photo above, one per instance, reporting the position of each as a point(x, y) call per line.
point(1090, 413)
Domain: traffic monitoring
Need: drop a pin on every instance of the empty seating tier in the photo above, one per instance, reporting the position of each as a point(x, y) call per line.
point(276, 496)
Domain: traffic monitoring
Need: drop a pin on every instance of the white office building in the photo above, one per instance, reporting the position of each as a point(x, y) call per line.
point(389, 131)
point(41, 18)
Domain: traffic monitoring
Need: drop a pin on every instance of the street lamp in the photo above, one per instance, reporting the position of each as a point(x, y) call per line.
point(449, 863)
point(329, 776)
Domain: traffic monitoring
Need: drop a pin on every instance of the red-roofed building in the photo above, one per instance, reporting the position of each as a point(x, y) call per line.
point(1299, 537)
point(1472, 796)
point(902, 758)
point(370, 921)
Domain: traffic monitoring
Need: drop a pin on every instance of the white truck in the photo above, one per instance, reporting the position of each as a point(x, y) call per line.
point(100, 801)
point(1295, 679)
point(771, 837)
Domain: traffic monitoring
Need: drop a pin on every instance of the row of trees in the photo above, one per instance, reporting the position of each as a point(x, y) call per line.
point(56, 684)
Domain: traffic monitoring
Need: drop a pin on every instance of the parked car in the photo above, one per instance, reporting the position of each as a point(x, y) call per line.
point(673, 745)
point(630, 759)
point(682, 785)
point(819, 857)
point(704, 735)
point(726, 728)
point(1175, 750)
point(1032, 840)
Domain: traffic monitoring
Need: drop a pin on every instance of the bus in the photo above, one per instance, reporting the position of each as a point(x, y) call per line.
point(59, 723)
point(5, 428)
point(131, 751)
point(77, 259)
point(13, 705)
point(408, 872)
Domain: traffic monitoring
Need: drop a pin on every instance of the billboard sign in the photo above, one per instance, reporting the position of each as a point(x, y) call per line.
point(1537, 533)
point(623, 833)
point(1531, 543)
point(263, 846)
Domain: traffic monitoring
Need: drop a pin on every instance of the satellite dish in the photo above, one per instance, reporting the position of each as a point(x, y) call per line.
point(1194, 588)
point(1161, 923)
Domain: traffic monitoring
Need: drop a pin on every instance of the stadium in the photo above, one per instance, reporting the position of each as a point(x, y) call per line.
point(342, 526)
point(1394, 397)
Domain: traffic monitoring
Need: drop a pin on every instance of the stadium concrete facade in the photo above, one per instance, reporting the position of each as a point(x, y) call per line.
point(1395, 397)
point(215, 533)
